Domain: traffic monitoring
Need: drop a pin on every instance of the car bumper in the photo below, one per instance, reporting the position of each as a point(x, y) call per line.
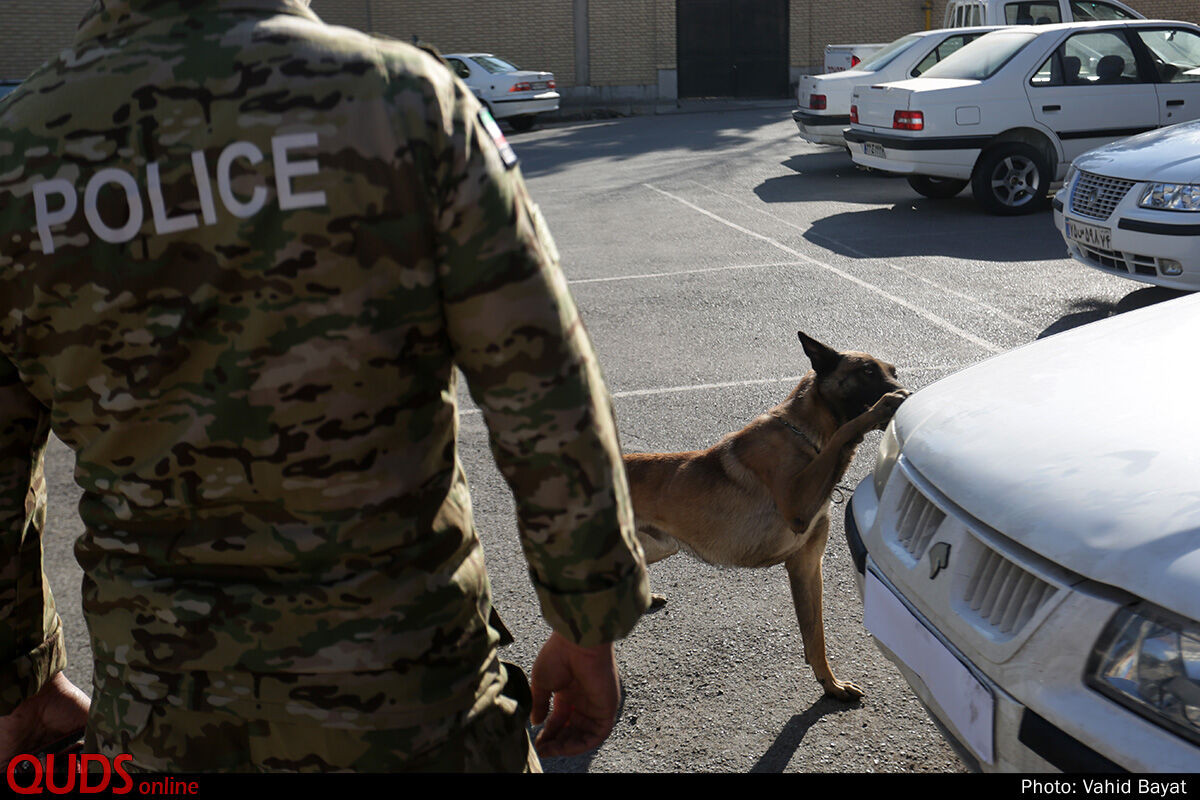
point(1008, 702)
point(539, 104)
point(1157, 247)
point(821, 128)
point(938, 157)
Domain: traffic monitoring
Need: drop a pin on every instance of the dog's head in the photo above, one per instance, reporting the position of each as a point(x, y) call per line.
point(850, 382)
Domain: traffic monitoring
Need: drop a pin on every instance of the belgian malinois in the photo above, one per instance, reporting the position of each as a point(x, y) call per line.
point(760, 496)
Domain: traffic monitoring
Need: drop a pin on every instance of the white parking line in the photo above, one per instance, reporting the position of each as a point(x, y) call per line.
point(860, 254)
point(702, 387)
point(928, 316)
point(645, 275)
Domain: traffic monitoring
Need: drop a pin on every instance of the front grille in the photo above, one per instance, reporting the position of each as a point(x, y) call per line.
point(917, 521)
point(1003, 595)
point(1096, 196)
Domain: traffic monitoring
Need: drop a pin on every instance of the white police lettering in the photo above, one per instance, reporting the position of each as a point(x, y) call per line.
point(56, 201)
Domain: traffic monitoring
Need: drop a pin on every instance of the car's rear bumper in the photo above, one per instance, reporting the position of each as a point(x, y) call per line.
point(821, 128)
point(539, 104)
point(939, 157)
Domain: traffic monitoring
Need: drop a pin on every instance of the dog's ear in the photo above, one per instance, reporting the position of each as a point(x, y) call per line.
point(824, 358)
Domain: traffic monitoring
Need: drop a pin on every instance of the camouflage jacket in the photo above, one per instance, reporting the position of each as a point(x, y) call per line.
point(241, 254)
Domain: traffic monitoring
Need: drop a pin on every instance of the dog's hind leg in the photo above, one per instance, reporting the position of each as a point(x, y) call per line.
point(804, 577)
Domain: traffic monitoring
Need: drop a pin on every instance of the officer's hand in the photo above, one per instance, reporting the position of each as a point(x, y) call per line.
point(586, 691)
point(56, 711)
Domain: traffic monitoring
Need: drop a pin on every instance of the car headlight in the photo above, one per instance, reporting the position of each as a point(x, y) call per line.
point(889, 453)
point(1149, 660)
point(1171, 197)
point(1070, 175)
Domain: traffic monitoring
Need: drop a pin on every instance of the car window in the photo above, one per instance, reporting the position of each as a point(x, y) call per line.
point(494, 65)
point(982, 58)
point(1090, 59)
point(882, 58)
point(460, 69)
point(1175, 53)
point(950, 45)
point(1083, 11)
point(1032, 13)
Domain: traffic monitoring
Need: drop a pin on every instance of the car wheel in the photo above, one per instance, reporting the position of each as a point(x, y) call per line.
point(937, 188)
point(1011, 179)
point(522, 123)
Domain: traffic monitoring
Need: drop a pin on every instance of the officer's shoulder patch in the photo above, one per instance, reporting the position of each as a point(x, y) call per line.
point(493, 128)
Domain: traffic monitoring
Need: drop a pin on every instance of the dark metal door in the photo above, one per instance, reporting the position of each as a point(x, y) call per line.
point(732, 48)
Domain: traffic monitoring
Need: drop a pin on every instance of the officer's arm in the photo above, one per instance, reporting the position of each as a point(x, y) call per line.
point(518, 338)
point(31, 640)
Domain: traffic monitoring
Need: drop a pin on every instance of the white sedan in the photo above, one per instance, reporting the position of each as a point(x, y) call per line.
point(512, 94)
point(1133, 207)
point(1008, 112)
point(824, 100)
point(1028, 549)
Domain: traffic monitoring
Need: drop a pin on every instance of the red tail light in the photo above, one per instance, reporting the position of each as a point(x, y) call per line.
point(854, 113)
point(816, 101)
point(550, 84)
point(524, 86)
point(854, 61)
point(909, 120)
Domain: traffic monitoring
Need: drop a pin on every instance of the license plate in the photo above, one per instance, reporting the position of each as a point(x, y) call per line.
point(874, 149)
point(964, 700)
point(1091, 235)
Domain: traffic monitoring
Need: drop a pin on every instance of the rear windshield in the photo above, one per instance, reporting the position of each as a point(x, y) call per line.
point(982, 58)
point(888, 54)
point(493, 64)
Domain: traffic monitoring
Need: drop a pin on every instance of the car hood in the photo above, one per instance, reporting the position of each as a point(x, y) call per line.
point(1168, 154)
point(1083, 447)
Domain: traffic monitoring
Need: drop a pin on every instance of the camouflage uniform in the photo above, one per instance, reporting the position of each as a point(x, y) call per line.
point(242, 252)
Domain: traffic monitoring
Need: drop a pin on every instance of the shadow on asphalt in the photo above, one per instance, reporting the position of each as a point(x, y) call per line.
point(788, 741)
point(1093, 310)
point(559, 147)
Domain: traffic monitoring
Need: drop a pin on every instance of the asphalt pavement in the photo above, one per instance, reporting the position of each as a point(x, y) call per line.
point(696, 245)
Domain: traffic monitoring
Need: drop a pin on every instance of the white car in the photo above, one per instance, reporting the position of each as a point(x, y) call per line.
point(1133, 207)
point(514, 95)
point(824, 100)
point(1028, 549)
point(1008, 112)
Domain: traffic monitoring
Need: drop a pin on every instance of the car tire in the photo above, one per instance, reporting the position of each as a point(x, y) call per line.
point(936, 188)
point(521, 123)
point(1010, 179)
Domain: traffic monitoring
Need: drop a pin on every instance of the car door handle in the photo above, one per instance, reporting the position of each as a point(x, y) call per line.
point(1051, 108)
point(1174, 102)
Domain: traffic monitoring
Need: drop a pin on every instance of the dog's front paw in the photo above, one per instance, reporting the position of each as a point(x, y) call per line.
point(845, 691)
point(885, 407)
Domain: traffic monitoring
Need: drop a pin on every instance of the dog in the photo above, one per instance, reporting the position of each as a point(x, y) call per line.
point(760, 496)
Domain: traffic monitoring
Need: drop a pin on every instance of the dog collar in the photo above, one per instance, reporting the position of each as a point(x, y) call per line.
point(800, 433)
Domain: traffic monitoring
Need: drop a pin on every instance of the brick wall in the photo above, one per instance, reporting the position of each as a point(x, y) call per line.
point(630, 40)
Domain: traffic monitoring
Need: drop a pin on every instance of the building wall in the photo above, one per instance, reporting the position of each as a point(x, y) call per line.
point(631, 43)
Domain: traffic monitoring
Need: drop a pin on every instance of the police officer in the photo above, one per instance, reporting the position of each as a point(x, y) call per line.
point(241, 254)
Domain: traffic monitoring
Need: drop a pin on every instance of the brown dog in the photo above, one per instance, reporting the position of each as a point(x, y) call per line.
point(760, 496)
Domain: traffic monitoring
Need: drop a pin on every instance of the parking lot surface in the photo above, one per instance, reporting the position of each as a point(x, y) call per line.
point(696, 245)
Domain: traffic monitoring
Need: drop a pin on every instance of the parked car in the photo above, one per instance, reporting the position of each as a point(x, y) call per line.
point(839, 57)
point(511, 94)
point(1008, 112)
point(1028, 549)
point(1133, 207)
point(824, 100)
